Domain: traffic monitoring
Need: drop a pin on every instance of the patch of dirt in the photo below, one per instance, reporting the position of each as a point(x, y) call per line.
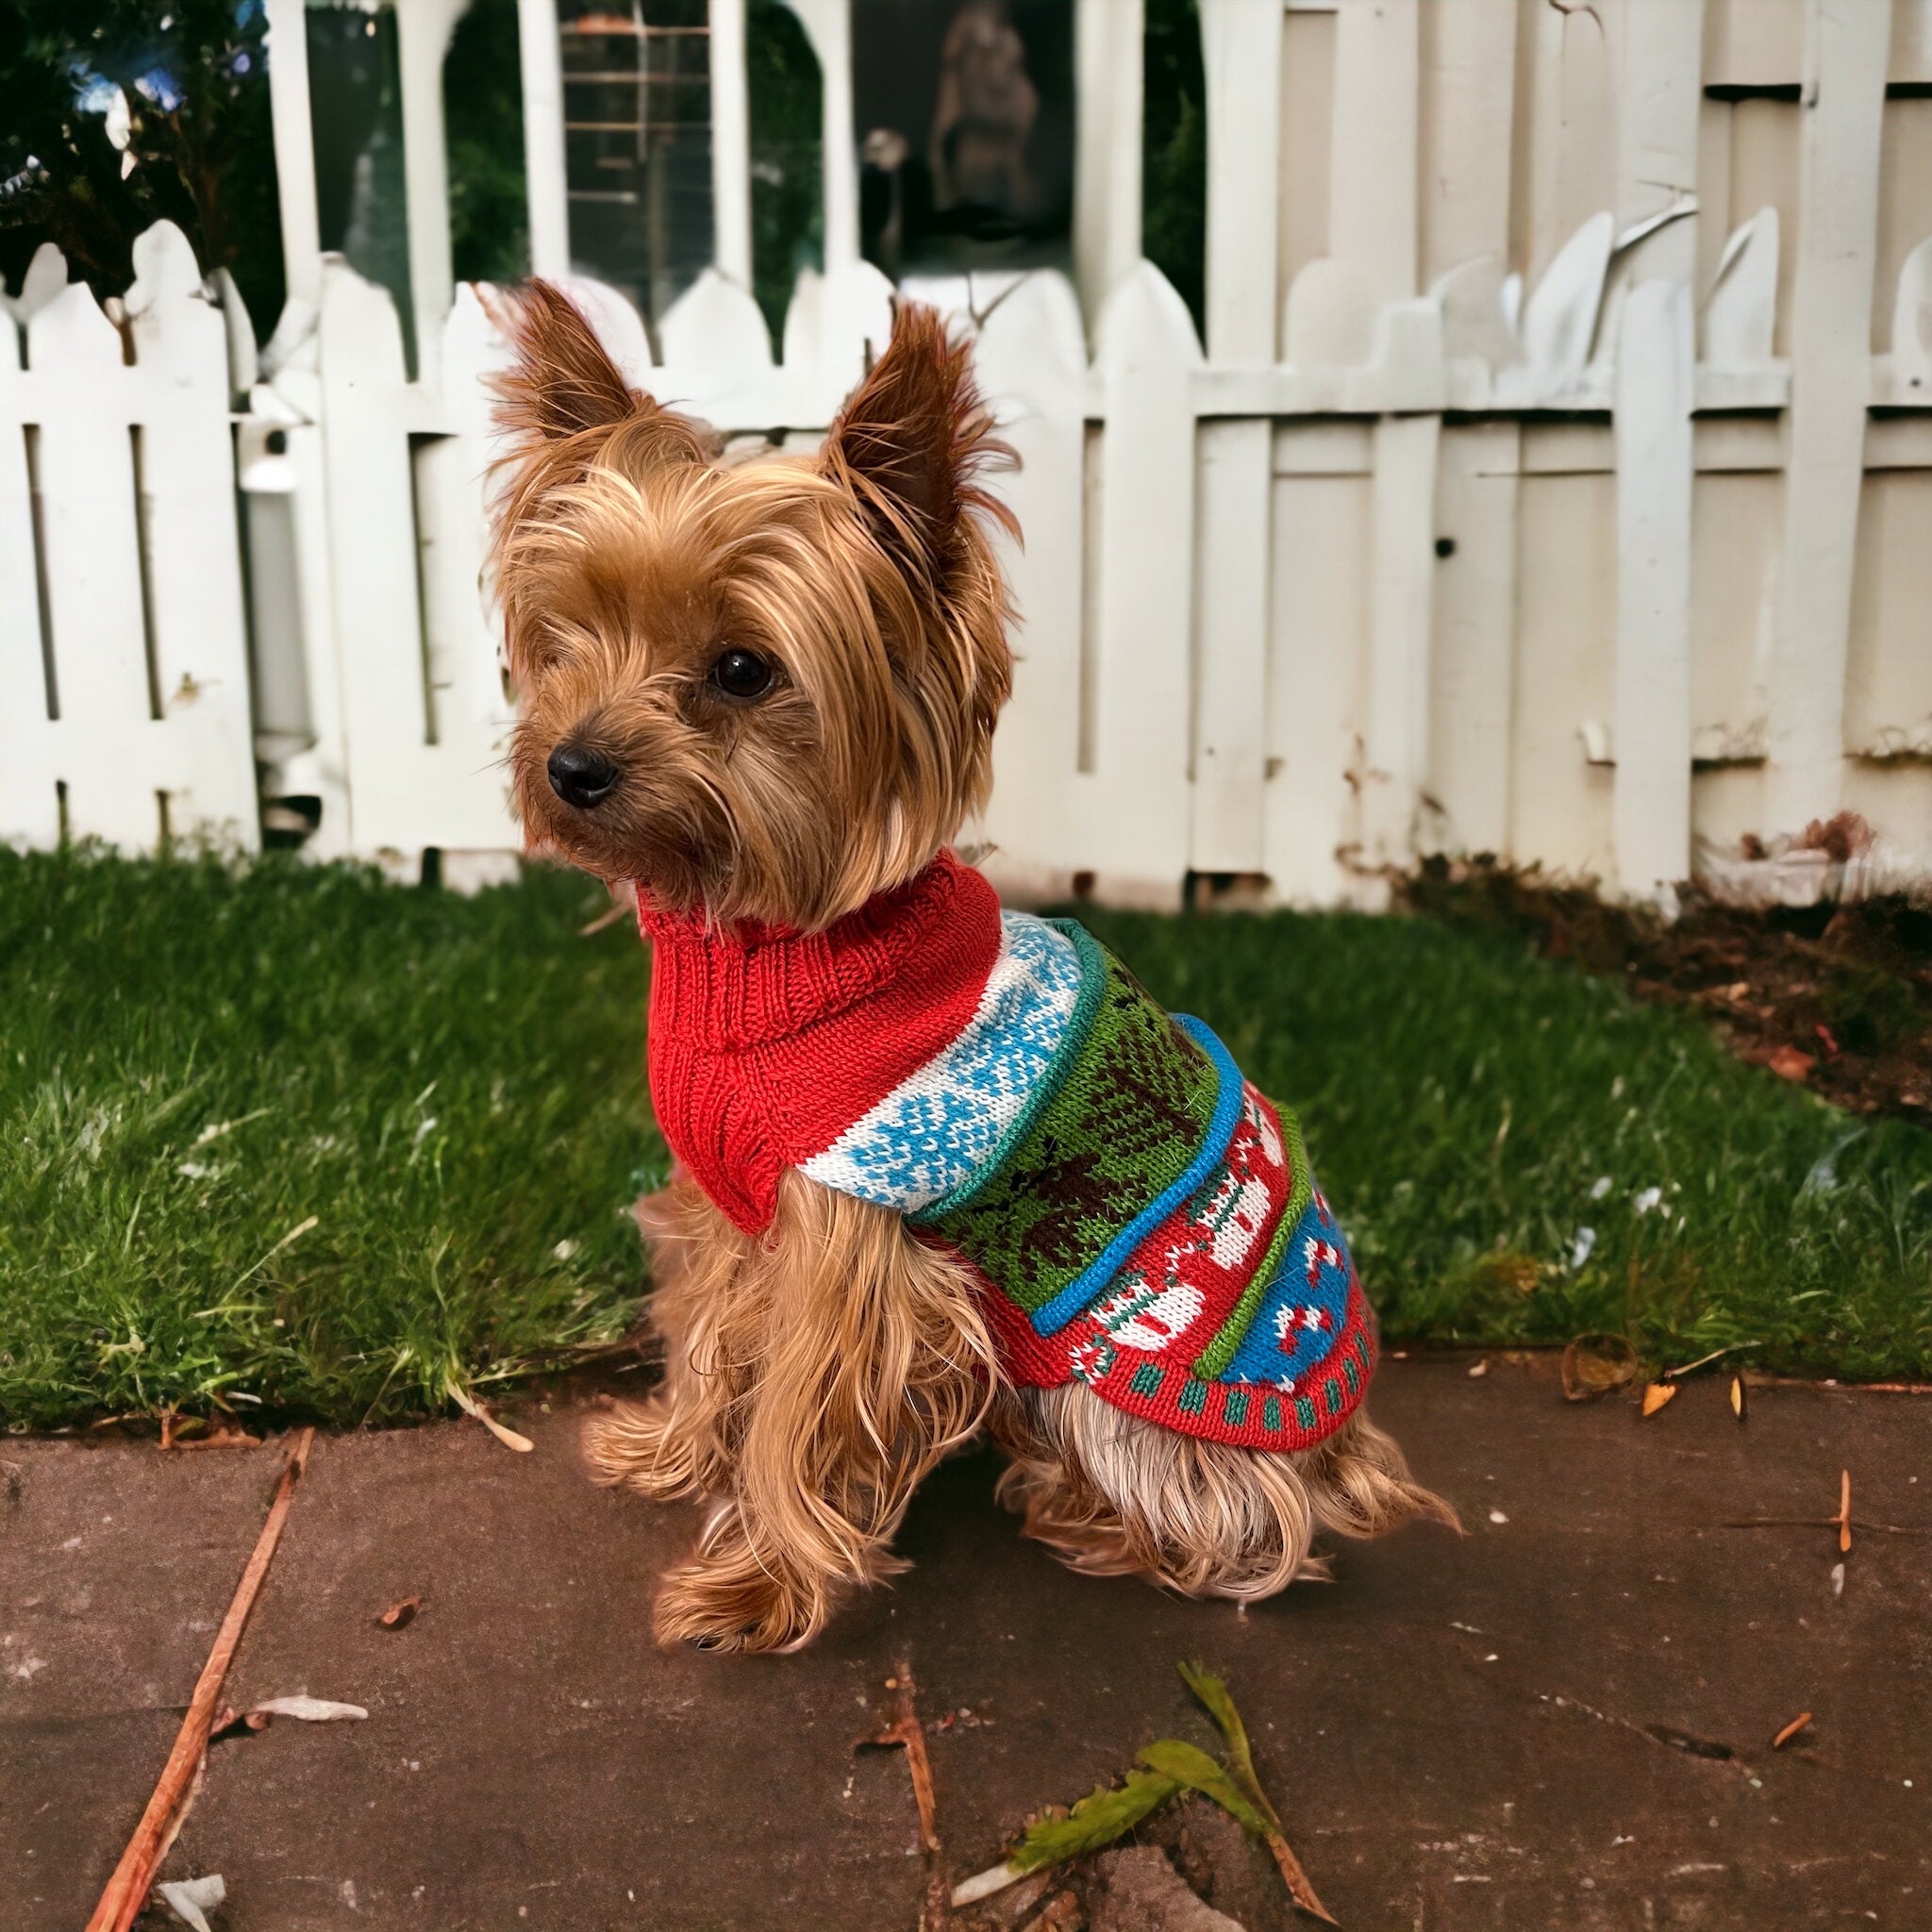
point(1835, 997)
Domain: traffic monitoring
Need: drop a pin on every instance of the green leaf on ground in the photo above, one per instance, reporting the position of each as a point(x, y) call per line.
point(1218, 1701)
point(1188, 1764)
point(1102, 1816)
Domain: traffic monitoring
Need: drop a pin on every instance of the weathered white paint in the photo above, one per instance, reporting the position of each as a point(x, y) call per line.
point(294, 143)
point(546, 184)
point(828, 26)
point(423, 35)
point(1846, 52)
point(1107, 163)
point(1466, 793)
point(730, 144)
point(1651, 805)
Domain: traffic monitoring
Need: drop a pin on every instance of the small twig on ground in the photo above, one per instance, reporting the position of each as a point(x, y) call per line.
point(1705, 1361)
point(1827, 1522)
point(470, 1406)
point(1844, 1518)
point(1791, 1730)
point(908, 1732)
point(128, 1890)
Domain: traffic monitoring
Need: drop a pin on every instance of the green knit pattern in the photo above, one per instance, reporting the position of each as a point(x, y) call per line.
point(1129, 1117)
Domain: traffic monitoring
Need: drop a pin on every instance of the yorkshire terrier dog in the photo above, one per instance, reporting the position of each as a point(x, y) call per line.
point(940, 1168)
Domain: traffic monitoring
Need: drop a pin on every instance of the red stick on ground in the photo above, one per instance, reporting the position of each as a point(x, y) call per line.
point(128, 1890)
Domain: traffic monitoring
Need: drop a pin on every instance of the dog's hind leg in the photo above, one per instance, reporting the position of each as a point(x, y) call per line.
point(1114, 1495)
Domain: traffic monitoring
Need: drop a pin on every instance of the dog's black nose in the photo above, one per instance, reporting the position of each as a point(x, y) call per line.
point(580, 778)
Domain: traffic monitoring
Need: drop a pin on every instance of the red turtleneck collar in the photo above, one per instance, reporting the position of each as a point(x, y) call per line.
point(767, 1044)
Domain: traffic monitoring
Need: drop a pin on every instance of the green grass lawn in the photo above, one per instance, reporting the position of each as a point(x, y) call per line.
point(292, 1135)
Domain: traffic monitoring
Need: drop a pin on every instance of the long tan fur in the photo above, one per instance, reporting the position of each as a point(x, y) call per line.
point(1115, 1497)
point(814, 1375)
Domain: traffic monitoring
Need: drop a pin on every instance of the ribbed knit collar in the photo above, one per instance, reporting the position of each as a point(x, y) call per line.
point(738, 985)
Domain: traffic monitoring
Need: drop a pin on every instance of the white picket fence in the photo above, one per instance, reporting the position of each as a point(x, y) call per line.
point(1620, 559)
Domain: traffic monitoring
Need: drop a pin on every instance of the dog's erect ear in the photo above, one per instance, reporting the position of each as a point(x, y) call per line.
point(914, 437)
point(563, 386)
point(563, 380)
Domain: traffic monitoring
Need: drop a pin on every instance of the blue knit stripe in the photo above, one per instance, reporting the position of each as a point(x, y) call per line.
point(1073, 1298)
point(1093, 985)
point(946, 1124)
point(1303, 1310)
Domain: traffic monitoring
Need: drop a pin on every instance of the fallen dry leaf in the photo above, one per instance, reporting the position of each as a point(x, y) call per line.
point(1596, 1364)
point(1838, 1580)
point(311, 1710)
point(399, 1616)
point(190, 1899)
point(1789, 1063)
point(1738, 1401)
point(1481, 1367)
point(1791, 1730)
point(1656, 1394)
point(1844, 1518)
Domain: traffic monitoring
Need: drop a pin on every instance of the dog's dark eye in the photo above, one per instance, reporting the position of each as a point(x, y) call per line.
point(743, 673)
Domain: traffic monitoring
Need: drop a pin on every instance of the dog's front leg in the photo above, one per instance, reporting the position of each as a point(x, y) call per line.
point(841, 1360)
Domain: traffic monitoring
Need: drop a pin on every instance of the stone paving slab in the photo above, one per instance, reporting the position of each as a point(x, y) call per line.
point(1518, 1729)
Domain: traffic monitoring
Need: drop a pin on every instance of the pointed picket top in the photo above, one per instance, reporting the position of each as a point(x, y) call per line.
point(174, 324)
point(1475, 317)
point(617, 326)
point(1329, 317)
point(71, 332)
point(854, 316)
point(1144, 325)
point(714, 335)
point(798, 341)
point(1911, 318)
point(46, 275)
point(1560, 318)
point(164, 269)
point(1034, 331)
point(358, 333)
point(1742, 309)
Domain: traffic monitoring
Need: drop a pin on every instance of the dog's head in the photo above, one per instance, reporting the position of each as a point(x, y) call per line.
point(763, 689)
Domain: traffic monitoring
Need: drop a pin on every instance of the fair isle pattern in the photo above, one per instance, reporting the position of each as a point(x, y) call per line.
point(1303, 1308)
point(940, 1129)
point(1249, 1282)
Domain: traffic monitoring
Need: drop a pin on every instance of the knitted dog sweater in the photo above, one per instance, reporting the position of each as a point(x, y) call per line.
point(1138, 1215)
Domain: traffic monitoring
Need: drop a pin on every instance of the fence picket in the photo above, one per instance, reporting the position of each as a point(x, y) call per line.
point(29, 806)
point(1831, 389)
point(104, 748)
point(179, 388)
point(1650, 809)
point(1031, 355)
point(1132, 822)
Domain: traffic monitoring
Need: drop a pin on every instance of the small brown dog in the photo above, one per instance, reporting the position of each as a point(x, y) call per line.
point(765, 691)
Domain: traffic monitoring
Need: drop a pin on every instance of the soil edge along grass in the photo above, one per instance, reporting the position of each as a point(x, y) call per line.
point(297, 1140)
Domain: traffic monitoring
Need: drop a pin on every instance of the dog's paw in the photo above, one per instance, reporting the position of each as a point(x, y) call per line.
point(633, 1443)
point(732, 1606)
